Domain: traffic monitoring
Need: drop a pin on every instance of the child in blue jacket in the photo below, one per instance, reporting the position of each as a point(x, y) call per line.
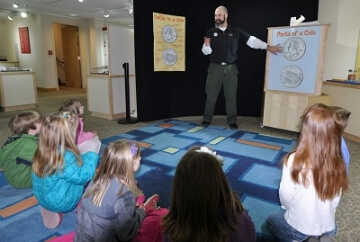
point(59, 171)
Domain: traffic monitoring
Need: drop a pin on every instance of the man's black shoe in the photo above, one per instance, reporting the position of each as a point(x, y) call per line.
point(205, 123)
point(233, 126)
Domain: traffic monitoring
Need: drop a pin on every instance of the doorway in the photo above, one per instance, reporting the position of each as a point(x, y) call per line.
point(67, 50)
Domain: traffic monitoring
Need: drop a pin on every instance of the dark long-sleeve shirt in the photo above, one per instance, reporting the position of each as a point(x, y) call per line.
point(225, 44)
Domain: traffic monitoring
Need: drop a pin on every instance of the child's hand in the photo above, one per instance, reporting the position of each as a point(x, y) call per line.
point(141, 207)
point(94, 133)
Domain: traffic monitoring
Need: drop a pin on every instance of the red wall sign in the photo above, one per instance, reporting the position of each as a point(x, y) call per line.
point(24, 40)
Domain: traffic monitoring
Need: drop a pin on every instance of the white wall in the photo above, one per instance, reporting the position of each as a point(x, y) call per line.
point(11, 42)
point(50, 79)
point(342, 44)
point(41, 40)
point(96, 43)
point(3, 38)
point(121, 49)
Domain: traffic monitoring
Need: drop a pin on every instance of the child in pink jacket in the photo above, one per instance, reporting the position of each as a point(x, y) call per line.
point(83, 139)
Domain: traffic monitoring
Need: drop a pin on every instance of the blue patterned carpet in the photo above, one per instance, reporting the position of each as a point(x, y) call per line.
point(251, 165)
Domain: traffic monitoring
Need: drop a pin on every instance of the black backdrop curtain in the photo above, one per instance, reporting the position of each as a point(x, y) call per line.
point(176, 94)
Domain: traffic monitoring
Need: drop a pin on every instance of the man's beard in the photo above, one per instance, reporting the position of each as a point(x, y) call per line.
point(219, 22)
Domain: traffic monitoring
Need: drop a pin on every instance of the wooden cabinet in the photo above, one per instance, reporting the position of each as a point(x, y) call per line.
point(283, 110)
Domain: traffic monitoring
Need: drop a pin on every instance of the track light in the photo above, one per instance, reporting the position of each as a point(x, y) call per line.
point(15, 5)
point(106, 13)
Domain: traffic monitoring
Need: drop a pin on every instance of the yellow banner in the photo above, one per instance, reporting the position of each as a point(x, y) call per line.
point(169, 42)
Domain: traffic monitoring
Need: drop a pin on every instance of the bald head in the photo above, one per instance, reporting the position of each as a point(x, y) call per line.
point(221, 8)
point(221, 15)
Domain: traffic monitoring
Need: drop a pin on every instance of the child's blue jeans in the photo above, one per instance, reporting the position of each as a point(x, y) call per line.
point(278, 226)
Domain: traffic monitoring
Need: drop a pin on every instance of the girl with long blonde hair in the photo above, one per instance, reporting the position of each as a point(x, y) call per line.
point(109, 211)
point(59, 171)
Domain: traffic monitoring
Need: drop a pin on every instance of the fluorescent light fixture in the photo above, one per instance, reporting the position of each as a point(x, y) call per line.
point(10, 18)
point(23, 14)
point(15, 5)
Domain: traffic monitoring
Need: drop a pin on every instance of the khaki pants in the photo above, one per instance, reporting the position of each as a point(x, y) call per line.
point(225, 76)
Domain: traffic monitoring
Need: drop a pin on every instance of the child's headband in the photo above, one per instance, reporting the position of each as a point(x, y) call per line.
point(66, 114)
point(204, 149)
point(133, 149)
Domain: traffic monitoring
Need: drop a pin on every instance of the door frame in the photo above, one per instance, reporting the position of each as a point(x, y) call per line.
point(54, 52)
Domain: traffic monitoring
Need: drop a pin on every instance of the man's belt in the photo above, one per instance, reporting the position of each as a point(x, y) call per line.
point(223, 63)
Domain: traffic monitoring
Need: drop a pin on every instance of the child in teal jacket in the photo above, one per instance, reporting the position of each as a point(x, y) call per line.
point(17, 152)
point(59, 171)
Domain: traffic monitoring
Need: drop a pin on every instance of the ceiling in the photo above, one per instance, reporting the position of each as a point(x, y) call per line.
point(118, 9)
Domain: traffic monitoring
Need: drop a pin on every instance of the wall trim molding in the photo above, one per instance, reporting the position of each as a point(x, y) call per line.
point(43, 89)
point(352, 137)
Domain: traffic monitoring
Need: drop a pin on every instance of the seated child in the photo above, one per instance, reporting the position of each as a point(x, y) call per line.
point(84, 140)
point(109, 210)
point(203, 206)
point(17, 152)
point(313, 180)
point(59, 171)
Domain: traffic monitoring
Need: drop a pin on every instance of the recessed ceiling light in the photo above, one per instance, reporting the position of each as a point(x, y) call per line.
point(10, 18)
point(15, 5)
point(80, 1)
point(106, 13)
point(23, 14)
point(73, 14)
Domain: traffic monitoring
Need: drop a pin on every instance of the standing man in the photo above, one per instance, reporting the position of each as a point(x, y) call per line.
point(221, 43)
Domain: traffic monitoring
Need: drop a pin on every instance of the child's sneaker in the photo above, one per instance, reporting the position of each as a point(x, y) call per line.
point(152, 202)
point(51, 219)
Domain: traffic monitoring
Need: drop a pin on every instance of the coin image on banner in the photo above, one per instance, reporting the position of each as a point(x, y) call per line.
point(294, 48)
point(169, 34)
point(169, 56)
point(291, 76)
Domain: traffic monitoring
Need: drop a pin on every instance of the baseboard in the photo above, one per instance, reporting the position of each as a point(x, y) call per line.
point(43, 89)
point(352, 137)
point(18, 107)
point(108, 116)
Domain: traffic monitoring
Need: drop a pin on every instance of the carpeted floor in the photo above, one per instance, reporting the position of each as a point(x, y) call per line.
point(163, 144)
point(347, 213)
